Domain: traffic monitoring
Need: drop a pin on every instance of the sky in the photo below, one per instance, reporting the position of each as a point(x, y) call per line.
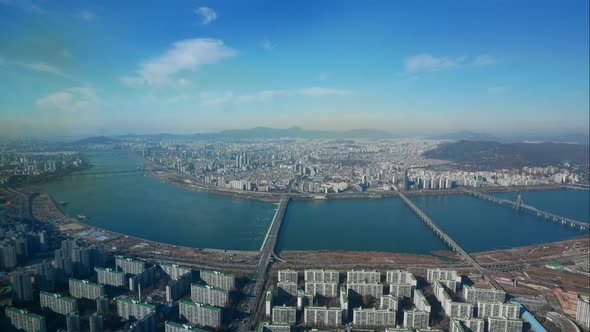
point(72, 68)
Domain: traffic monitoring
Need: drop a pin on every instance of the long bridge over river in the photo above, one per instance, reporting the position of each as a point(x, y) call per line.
point(267, 253)
point(449, 241)
point(519, 204)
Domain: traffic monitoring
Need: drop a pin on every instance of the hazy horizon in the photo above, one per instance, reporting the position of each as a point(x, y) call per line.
point(413, 69)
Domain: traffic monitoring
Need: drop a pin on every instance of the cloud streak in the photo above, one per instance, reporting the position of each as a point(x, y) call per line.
point(86, 15)
point(74, 99)
point(184, 55)
point(267, 44)
point(211, 98)
point(428, 63)
point(207, 14)
point(40, 67)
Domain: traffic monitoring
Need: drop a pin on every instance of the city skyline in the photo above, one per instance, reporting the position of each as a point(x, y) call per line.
point(82, 68)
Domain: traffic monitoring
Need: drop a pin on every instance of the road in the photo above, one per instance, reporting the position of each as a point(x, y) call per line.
point(255, 288)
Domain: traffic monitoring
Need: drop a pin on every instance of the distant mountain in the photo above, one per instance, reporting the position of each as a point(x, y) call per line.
point(97, 140)
point(494, 155)
point(265, 132)
point(466, 136)
point(575, 138)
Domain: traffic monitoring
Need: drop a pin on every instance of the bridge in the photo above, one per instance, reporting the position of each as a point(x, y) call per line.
point(267, 253)
point(519, 204)
point(450, 242)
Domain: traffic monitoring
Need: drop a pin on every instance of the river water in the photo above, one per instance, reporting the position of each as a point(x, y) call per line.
point(143, 206)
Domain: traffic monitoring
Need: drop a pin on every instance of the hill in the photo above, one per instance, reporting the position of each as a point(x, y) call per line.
point(494, 155)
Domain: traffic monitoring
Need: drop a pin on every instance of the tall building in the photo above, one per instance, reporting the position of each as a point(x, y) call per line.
point(22, 287)
point(400, 277)
point(21, 319)
point(102, 304)
point(146, 324)
point(175, 271)
point(85, 289)
point(321, 275)
point(96, 322)
point(129, 265)
point(268, 302)
point(177, 327)
point(179, 287)
point(73, 321)
point(130, 309)
point(57, 303)
point(287, 288)
point(358, 276)
point(218, 279)
point(106, 276)
point(322, 316)
point(373, 317)
point(200, 314)
point(443, 274)
point(266, 327)
point(401, 290)
point(497, 309)
point(416, 319)
point(327, 289)
point(456, 309)
point(420, 301)
point(361, 289)
point(7, 255)
point(583, 311)
point(466, 325)
point(504, 325)
point(44, 276)
point(284, 315)
point(389, 302)
point(473, 294)
point(287, 276)
point(209, 295)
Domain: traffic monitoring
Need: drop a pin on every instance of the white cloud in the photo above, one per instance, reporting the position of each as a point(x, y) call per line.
point(40, 67)
point(26, 5)
point(267, 44)
point(484, 60)
point(207, 14)
point(43, 68)
point(317, 91)
point(86, 15)
point(209, 98)
point(428, 63)
point(70, 100)
point(185, 55)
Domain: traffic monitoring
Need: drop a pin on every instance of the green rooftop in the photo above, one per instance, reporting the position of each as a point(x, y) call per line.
point(61, 297)
point(199, 304)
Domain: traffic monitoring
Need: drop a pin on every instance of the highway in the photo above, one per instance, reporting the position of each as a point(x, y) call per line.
point(254, 293)
point(547, 215)
point(450, 242)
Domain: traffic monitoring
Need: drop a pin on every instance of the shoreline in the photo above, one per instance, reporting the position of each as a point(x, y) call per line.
point(178, 179)
point(438, 254)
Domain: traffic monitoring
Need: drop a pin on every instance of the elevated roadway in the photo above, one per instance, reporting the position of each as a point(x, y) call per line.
point(450, 242)
point(267, 252)
point(519, 204)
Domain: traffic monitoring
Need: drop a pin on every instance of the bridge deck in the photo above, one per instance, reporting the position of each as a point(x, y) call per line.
point(450, 242)
point(478, 194)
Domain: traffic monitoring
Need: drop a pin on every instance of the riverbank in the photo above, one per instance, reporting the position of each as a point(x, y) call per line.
point(244, 262)
point(181, 180)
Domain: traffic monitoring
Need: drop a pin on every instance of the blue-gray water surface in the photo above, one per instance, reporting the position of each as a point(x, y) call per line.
point(146, 207)
point(356, 224)
point(569, 203)
point(479, 225)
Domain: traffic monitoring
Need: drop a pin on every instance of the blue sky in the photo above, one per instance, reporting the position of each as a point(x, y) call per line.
point(409, 67)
